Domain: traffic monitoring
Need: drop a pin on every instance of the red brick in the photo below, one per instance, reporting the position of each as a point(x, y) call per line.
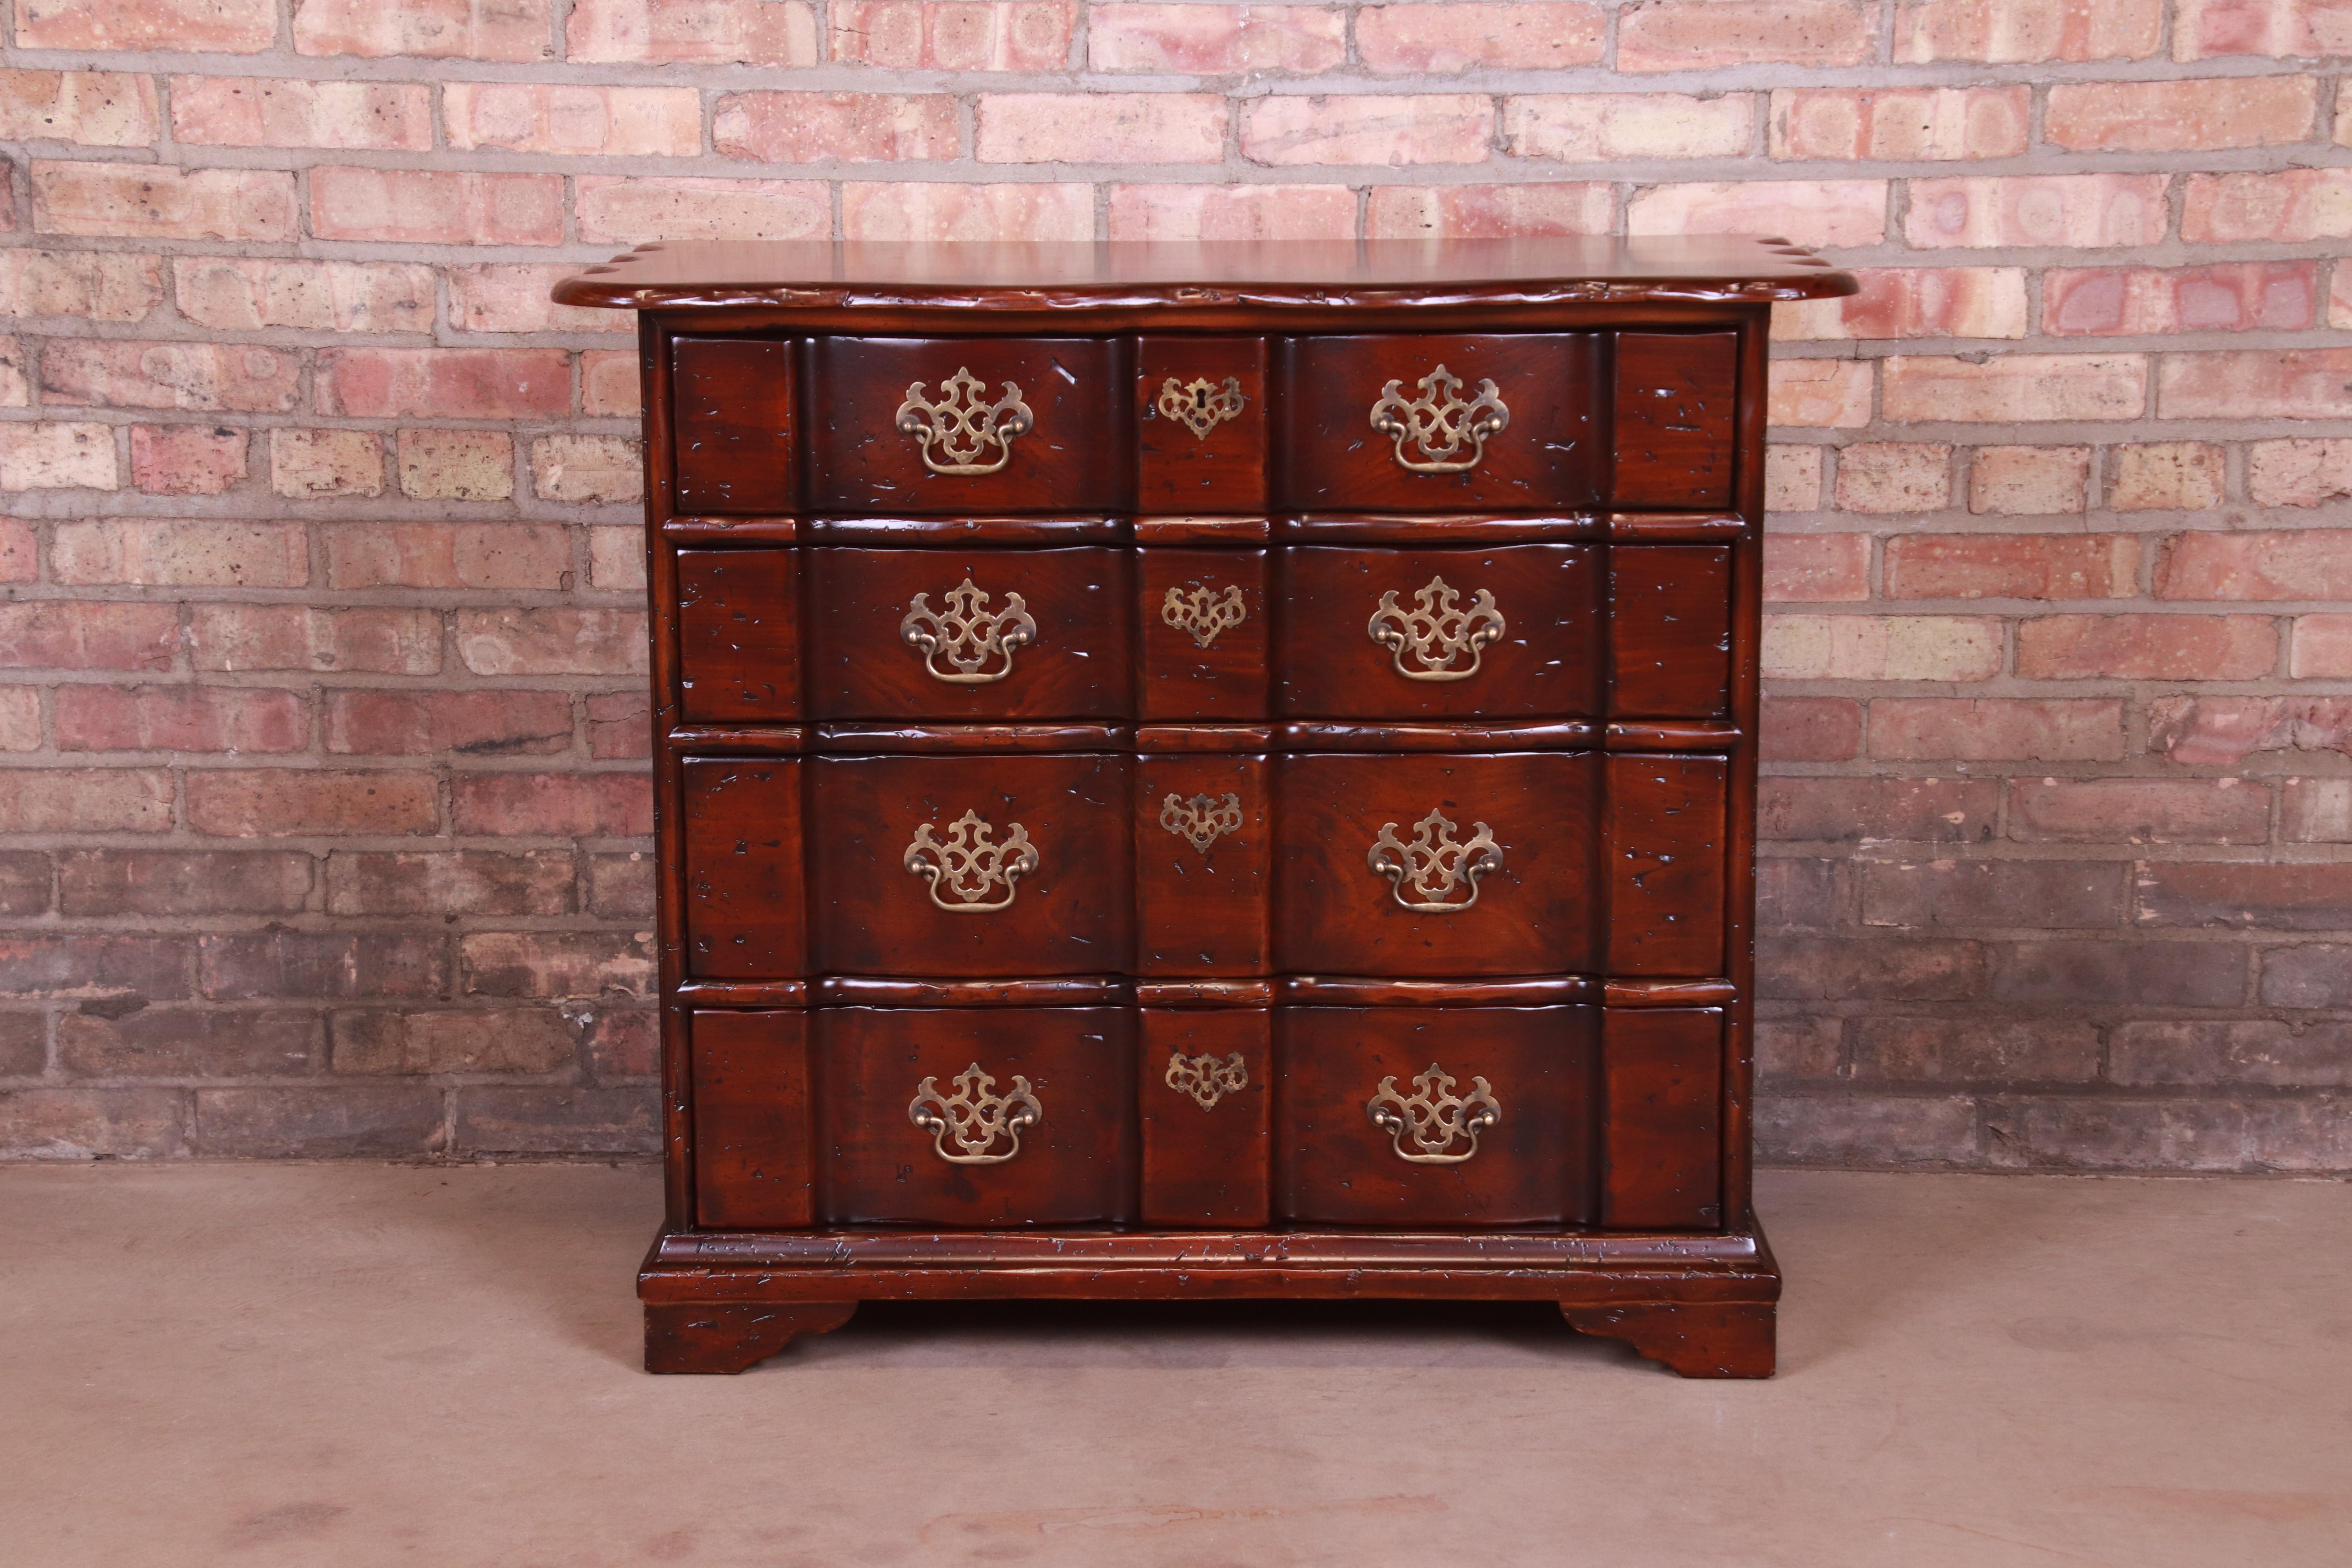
point(621, 887)
point(510, 1040)
point(2339, 284)
point(1900, 124)
point(1821, 392)
point(443, 384)
point(171, 1042)
point(2144, 973)
point(573, 805)
point(150, 969)
point(176, 882)
point(2298, 473)
point(2146, 647)
point(2292, 206)
point(624, 1043)
point(2230, 298)
point(620, 724)
point(92, 1123)
point(2257, 384)
point(1488, 211)
point(1913, 303)
point(1588, 128)
point(1390, 130)
point(2012, 566)
point(1881, 648)
point(347, 1122)
point(58, 457)
point(855, 127)
point(2014, 388)
point(1876, 810)
point(97, 108)
point(187, 459)
point(2138, 811)
point(552, 641)
point(268, 803)
point(54, 634)
point(172, 551)
point(557, 963)
point(512, 297)
point(2286, 563)
point(1810, 730)
point(306, 464)
point(296, 637)
point(1993, 729)
point(2239, 895)
point(260, 111)
point(87, 800)
point(1432, 39)
point(143, 201)
point(2205, 29)
point(2041, 1050)
point(587, 469)
point(181, 719)
point(1232, 212)
point(574, 118)
point(573, 1120)
point(465, 724)
point(2308, 974)
point(1809, 212)
point(2223, 732)
point(244, 377)
point(1792, 478)
point(1887, 476)
point(2027, 32)
point(1816, 568)
point(531, 555)
point(20, 721)
point(2316, 811)
point(512, 30)
point(2029, 481)
point(2179, 116)
point(945, 34)
point(98, 285)
point(1832, 968)
point(255, 292)
point(466, 882)
point(1100, 128)
point(19, 560)
point(2075, 211)
point(1699, 35)
point(208, 26)
point(1214, 40)
point(1849, 1130)
point(933, 210)
point(456, 465)
point(610, 383)
point(422, 206)
point(622, 209)
point(2322, 648)
point(2167, 475)
point(2243, 1050)
point(1794, 893)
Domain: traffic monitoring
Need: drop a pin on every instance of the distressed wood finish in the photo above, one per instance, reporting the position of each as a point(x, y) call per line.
point(1201, 1004)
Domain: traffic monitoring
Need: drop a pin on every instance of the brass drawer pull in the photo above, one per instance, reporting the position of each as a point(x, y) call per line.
point(970, 865)
point(961, 426)
point(1206, 1079)
point(976, 1119)
point(1434, 1117)
point(1439, 422)
point(1433, 865)
point(1436, 631)
point(1202, 613)
point(1202, 820)
point(967, 634)
point(1201, 407)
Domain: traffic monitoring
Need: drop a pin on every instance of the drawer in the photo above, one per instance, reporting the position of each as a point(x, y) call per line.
point(1202, 425)
point(1669, 631)
point(732, 409)
point(737, 634)
point(1663, 1119)
point(987, 1118)
point(1205, 622)
point(1510, 632)
point(744, 887)
point(1204, 854)
point(976, 426)
point(1484, 1116)
point(1205, 1101)
point(1676, 418)
point(1437, 865)
point(973, 634)
point(752, 1158)
point(1409, 424)
point(973, 865)
point(1663, 850)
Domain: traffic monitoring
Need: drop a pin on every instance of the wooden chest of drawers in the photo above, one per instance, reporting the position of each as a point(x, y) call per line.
point(1213, 771)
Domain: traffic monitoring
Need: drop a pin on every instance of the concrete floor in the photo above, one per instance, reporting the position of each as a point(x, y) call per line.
point(343, 1366)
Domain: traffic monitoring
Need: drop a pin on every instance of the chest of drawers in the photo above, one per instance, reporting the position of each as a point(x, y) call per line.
point(1206, 771)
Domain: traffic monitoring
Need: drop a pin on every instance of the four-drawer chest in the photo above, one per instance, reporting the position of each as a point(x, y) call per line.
point(1206, 771)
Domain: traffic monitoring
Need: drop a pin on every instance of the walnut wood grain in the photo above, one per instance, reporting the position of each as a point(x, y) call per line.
point(1205, 1166)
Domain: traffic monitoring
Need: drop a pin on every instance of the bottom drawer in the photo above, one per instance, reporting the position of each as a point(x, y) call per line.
point(1436, 1117)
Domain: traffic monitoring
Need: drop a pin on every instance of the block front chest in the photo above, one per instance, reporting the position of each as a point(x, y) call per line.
point(1204, 794)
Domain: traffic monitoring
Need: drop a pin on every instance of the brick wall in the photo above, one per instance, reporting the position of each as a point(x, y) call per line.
point(323, 828)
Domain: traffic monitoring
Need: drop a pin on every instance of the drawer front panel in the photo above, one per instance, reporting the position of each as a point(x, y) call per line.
point(1420, 815)
point(1676, 418)
point(744, 915)
point(1670, 631)
point(1533, 1165)
point(1204, 843)
point(732, 403)
point(1050, 1141)
point(1663, 850)
point(738, 634)
point(753, 1131)
point(1204, 624)
point(973, 865)
point(1201, 415)
point(1513, 632)
point(1203, 1099)
point(1026, 425)
point(1547, 453)
point(968, 634)
point(1663, 1119)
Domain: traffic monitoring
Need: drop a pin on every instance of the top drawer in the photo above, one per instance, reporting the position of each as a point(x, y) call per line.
point(1440, 423)
point(971, 426)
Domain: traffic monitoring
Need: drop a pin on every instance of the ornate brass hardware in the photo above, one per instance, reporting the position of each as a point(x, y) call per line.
point(1436, 631)
point(1206, 1079)
point(1202, 820)
point(1434, 1117)
point(968, 634)
point(1202, 611)
point(1199, 406)
point(969, 864)
point(1439, 422)
point(976, 1119)
point(1433, 865)
point(963, 426)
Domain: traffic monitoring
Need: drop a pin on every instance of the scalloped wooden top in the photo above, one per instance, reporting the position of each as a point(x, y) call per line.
point(1068, 276)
